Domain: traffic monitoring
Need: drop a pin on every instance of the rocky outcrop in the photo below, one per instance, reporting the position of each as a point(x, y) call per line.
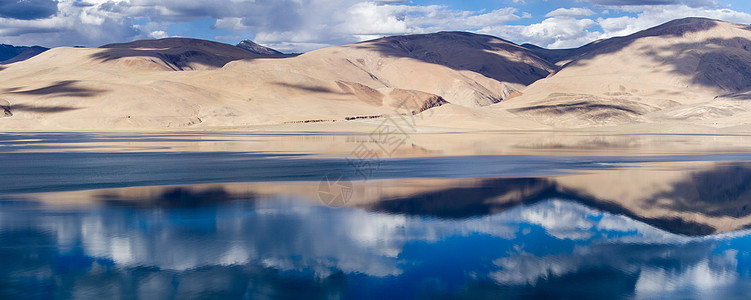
point(257, 49)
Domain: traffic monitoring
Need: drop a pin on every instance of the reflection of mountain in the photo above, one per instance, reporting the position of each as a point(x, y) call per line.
point(693, 198)
point(720, 194)
point(280, 247)
point(173, 197)
point(723, 191)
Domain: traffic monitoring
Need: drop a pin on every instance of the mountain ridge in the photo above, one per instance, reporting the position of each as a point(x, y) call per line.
point(257, 49)
point(10, 54)
point(665, 74)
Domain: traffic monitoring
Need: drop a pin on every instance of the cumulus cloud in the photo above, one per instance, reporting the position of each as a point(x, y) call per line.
point(291, 25)
point(555, 32)
point(27, 9)
point(303, 25)
point(368, 20)
point(72, 23)
point(573, 27)
point(571, 12)
point(693, 3)
point(655, 15)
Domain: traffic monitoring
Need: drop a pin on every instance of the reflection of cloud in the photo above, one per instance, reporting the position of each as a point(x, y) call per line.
point(697, 279)
point(639, 232)
point(527, 269)
point(282, 234)
point(663, 271)
point(667, 264)
point(279, 233)
point(561, 219)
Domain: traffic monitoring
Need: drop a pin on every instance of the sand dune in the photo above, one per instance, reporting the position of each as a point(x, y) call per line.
point(689, 73)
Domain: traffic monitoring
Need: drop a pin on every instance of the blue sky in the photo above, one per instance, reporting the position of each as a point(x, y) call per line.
point(304, 25)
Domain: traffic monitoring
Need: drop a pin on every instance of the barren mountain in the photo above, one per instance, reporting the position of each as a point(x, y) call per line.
point(133, 85)
point(176, 54)
point(686, 74)
point(465, 69)
point(257, 49)
point(10, 54)
point(688, 70)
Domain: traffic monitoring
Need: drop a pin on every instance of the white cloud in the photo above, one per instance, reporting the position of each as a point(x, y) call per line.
point(291, 25)
point(649, 16)
point(555, 32)
point(369, 20)
point(158, 34)
point(72, 24)
point(567, 28)
point(571, 12)
point(692, 3)
point(297, 25)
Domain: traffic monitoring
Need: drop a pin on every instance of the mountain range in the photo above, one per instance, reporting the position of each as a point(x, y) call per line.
point(687, 75)
point(10, 54)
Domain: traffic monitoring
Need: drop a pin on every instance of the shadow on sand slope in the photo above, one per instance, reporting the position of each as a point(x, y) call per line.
point(483, 54)
point(66, 88)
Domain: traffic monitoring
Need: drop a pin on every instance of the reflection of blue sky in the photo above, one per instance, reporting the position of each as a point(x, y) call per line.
point(526, 248)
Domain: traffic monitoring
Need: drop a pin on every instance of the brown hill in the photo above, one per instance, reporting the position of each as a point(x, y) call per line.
point(125, 86)
point(688, 74)
point(686, 70)
point(258, 49)
point(177, 54)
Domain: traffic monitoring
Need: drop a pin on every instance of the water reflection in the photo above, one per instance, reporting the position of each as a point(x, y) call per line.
point(342, 144)
point(690, 197)
point(449, 216)
point(287, 247)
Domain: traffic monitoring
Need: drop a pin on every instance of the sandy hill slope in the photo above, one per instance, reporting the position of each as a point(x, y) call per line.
point(690, 70)
point(134, 86)
point(465, 69)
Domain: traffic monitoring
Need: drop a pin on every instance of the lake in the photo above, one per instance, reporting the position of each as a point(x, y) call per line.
point(540, 215)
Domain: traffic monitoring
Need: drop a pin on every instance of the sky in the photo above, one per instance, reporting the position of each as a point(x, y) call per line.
point(304, 25)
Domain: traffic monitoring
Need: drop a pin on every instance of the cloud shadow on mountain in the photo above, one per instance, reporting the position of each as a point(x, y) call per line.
point(308, 88)
point(180, 54)
point(463, 51)
point(41, 109)
point(65, 88)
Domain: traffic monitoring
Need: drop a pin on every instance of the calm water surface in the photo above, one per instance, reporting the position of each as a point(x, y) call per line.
point(154, 216)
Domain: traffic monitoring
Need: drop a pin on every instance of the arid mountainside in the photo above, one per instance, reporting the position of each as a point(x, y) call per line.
point(187, 83)
point(688, 73)
point(176, 54)
point(690, 70)
point(10, 54)
point(257, 49)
